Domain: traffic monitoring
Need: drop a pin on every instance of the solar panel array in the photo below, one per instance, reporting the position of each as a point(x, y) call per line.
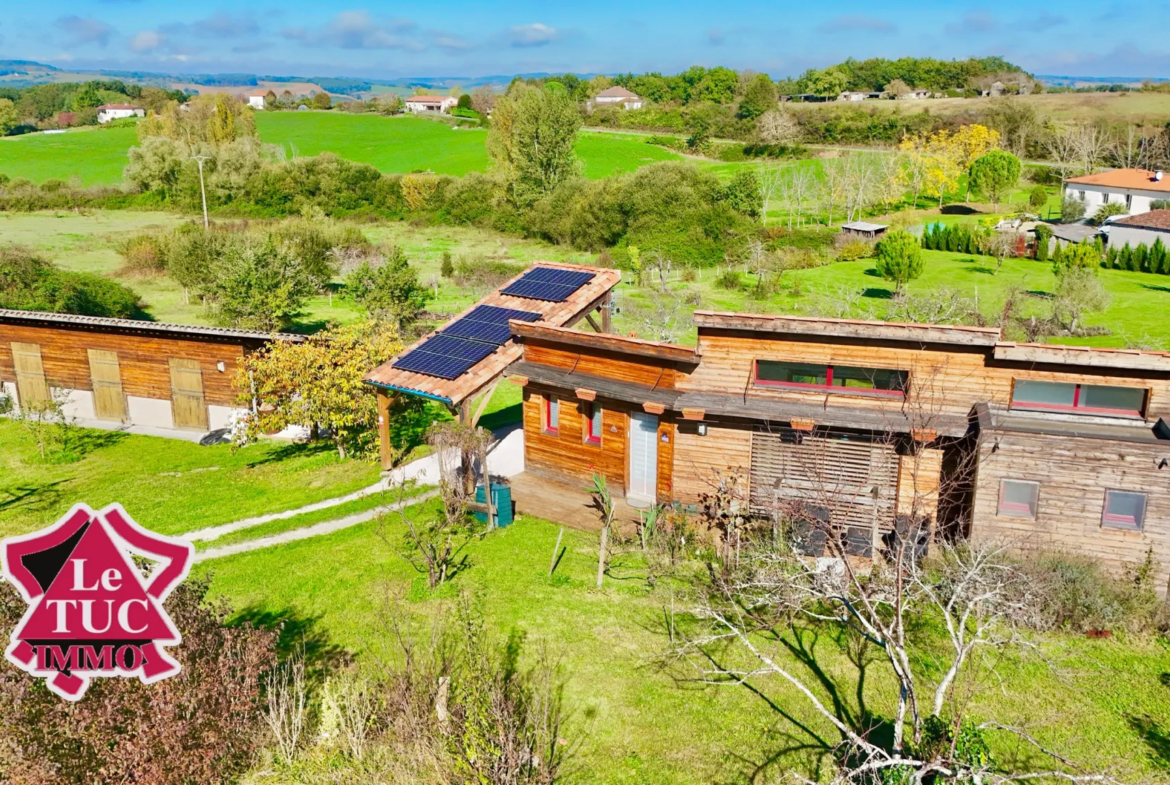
point(463, 343)
point(548, 283)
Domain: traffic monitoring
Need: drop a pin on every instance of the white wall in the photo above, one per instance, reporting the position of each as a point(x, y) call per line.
point(78, 404)
point(151, 412)
point(1096, 195)
point(1120, 236)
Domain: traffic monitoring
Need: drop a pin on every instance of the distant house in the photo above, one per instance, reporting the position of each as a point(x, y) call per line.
point(857, 96)
point(108, 112)
point(917, 94)
point(1137, 230)
point(618, 95)
point(431, 104)
point(863, 230)
point(256, 99)
point(1135, 188)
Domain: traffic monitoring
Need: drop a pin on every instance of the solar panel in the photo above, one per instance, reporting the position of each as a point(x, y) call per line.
point(488, 323)
point(548, 283)
point(444, 356)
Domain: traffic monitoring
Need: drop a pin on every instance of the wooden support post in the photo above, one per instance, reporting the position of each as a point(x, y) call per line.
point(592, 323)
point(483, 402)
point(467, 460)
point(487, 486)
point(384, 451)
point(607, 314)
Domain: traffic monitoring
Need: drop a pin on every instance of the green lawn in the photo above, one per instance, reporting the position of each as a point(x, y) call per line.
point(392, 144)
point(638, 724)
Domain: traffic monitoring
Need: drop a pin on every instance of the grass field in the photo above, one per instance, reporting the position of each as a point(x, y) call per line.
point(97, 156)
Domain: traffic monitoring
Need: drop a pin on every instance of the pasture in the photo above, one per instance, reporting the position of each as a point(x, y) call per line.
point(97, 156)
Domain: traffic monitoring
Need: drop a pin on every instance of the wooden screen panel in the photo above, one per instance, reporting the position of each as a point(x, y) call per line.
point(30, 373)
point(189, 410)
point(109, 403)
point(856, 480)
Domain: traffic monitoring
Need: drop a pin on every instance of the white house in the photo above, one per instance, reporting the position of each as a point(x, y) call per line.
point(618, 95)
point(433, 104)
point(1134, 188)
point(256, 99)
point(917, 94)
point(108, 112)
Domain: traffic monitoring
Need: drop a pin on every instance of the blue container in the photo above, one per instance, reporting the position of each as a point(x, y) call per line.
point(501, 504)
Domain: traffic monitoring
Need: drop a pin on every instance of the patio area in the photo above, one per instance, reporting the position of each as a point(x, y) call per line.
point(568, 504)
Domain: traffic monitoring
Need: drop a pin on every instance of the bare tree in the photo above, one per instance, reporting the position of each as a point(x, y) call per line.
point(797, 185)
point(1090, 144)
point(666, 318)
point(860, 184)
point(777, 127)
point(999, 246)
point(832, 187)
point(1060, 142)
point(287, 711)
point(771, 178)
point(662, 263)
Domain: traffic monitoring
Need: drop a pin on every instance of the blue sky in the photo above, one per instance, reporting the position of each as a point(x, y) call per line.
point(442, 37)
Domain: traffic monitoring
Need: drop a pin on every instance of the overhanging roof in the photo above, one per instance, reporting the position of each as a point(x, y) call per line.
point(605, 341)
point(849, 328)
point(996, 418)
point(1089, 356)
point(454, 391)
point(104, 324)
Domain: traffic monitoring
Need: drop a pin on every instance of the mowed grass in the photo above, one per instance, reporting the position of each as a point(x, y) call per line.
point(1098, 701)
point(390, 144)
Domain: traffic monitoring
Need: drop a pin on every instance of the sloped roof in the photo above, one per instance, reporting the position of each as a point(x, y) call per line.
point(1154, 219)
point(1133, 179)
point(850, 328)
point(616, 92)
point(118, 106)
point(429, 99)
point(454, 391)
point(142, 326)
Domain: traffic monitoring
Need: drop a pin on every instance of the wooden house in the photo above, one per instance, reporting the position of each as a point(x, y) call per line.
point(878, 427)
point(163, 378)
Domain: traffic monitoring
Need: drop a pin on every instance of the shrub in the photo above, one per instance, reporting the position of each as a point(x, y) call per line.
point(731, 280)
point(30, 283)
point(1072, 210)
point(1037, 198)
point(899, 258)
point(143, 254)
point(850, 249)
point(1078, 594)
point(1107, 211)
point(1043, 242)
point(447, 269)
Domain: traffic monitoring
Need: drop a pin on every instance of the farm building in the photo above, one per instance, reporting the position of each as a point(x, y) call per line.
point(863, 230)
point(618, 95)
point(1141, 229)
point(875, 427)
point(256, 99)
point(435, 104)
point(1134, 188)
point(149, 377)
point(108, 112)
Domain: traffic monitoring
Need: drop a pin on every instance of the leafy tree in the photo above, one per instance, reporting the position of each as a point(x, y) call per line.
point(270, 99)
point(390, 291)
point(29, 282)
point(743, 193)
point(827, 83)
point(322, 100)
point(758, 98)
point(1037, 198)
point(256, 284)
point(1043, 242)
point(995, 174)
point(317, 382)
point(532, 138)
point(897, 88)
point(1079, 256)
point(88, 97)
point(465, 102)
point(899, 258)
point(7, 116)
point(1071, 210)
point(968, 143)
point(717, 85)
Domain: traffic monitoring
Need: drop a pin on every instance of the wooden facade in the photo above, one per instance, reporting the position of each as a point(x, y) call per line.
point(165, 376)
point(872, 457)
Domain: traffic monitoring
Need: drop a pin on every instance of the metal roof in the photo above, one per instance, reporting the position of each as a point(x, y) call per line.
point(142, 325)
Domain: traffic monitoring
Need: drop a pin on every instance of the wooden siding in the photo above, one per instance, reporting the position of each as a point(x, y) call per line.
point(645, 370)
point(566, 454)
point(919, 479)
point(697, 458)
point(144, 361)
point(941, 382)
point(665, 478)
point(1073, 475)
point(109, 402)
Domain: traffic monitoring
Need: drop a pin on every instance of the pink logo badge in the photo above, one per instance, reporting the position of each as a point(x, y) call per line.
point(91, 610)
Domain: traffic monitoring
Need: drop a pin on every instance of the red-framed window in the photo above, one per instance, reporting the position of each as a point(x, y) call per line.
point(1079, 398)
point(1018, 498)
point(839, 378)
point(1124, 510)
point(551, 414)
point(591, 417)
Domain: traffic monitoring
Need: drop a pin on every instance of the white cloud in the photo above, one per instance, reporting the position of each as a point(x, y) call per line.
point(450, 42)
point(85, 30)
point(147, 41)
point(358, 30)
point(536, 34)
point(852, 22)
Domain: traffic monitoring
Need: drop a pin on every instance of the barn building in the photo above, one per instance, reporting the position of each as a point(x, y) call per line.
point(146, 377)
point(877, 427)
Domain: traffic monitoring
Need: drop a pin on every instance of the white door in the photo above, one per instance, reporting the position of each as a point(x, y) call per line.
point(643, 483)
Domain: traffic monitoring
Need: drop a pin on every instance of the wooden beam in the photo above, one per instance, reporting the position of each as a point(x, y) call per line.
point(483, 402)
point(384, 451)
point(593, 323)
point(607, 313)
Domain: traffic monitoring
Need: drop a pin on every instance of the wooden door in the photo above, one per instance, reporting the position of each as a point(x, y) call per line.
point(643, 485)
point(30, 373)
point(188, 407)
point(108, 401)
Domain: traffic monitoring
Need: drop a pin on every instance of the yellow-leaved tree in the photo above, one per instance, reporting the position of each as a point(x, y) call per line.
point(317, 384)
point(971, 142)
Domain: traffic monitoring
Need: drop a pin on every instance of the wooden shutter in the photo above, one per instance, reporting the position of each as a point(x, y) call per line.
point(108, 401)
point(30, 373)
point(188, 407)
point(855, 479)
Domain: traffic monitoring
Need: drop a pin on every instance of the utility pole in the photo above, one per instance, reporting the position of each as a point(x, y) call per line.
point(202, 189)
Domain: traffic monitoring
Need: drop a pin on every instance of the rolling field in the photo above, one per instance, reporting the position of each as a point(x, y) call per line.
point(391, 144)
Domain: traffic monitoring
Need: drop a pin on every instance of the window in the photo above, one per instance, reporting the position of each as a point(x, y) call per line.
point(1018, 499)
point(591, 417)
point(842, 378)
point(1081, 398)
point(1124, 510)
point(551, 414)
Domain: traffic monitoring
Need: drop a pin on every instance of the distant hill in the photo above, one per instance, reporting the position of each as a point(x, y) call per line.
point(1074, 81)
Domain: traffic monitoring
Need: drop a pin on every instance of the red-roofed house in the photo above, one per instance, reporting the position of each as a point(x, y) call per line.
point(1135, 188)
point(108, 112)
point(422, 104)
